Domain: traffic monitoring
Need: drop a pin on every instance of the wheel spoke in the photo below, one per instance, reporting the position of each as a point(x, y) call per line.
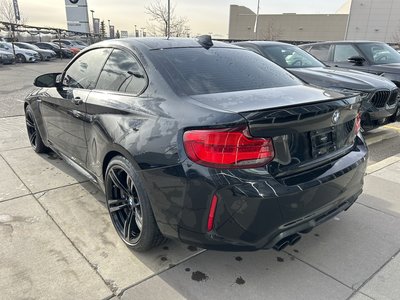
point(117, 182)
point(129, 183)
point(117, 204)
point(128, 223)
point(32, 138)
point(29, 123)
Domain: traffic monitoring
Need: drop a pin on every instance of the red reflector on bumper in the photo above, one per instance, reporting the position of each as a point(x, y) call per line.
point(211, 214)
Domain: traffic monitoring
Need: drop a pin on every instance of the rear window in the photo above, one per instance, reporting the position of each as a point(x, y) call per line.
point(194, 71)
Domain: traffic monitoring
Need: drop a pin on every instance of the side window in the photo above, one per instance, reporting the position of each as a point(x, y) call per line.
point(343, 52)
point(122, 73)
point(84, 71)
point(320, 51)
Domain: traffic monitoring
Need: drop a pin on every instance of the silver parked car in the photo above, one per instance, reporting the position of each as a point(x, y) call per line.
point(21, 55)
point(44, 54)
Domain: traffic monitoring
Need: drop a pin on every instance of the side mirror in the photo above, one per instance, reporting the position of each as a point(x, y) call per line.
point(48, 80)
point(357, 60)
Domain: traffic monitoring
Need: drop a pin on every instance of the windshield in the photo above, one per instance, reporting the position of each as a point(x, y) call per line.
point(54, 45)
point(379, 53)
point(80, 43)
point(15, 46)
point(288, 56)
point(194, 71)
point(31, 46)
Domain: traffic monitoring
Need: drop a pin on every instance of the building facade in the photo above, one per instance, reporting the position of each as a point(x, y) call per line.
point(285, 27)
point(377, 20)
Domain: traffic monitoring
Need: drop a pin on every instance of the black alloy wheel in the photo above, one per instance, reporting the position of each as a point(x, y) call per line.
point(20, 58)
point(33, 133)
point(129, 208)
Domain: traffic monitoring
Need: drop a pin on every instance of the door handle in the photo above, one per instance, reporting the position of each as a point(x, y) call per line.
point(77, 101)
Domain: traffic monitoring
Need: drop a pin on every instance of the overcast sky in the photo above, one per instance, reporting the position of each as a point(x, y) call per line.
point(204, 15)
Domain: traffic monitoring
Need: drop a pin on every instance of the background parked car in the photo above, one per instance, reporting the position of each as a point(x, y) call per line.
point(60, 52)
point(71, 43)
point(368, 56)
point(6, 57)
point(380, 95)
point(21, 55)
point(44, 54)
point(73, 49)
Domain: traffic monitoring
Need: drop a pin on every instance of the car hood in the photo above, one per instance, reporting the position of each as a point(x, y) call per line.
point(338, 78)
point(45, 51)
point(253, 100)
point(26, 51)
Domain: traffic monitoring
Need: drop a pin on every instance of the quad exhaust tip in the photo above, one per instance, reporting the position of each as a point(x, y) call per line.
point(287, 241)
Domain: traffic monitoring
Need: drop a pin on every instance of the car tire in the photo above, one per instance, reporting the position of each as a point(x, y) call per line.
point(129, 206)
point(20, 58)
point(35, 139)
point(41, 57)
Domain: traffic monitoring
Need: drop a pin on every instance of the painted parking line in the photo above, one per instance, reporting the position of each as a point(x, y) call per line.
point(392, 127)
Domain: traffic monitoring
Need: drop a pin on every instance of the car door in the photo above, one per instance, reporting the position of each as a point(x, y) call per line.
point(64, 107)
point(341, 54)
point(113, 107)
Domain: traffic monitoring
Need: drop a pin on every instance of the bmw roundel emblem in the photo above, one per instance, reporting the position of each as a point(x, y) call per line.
point(335, 117)
point(74, 1)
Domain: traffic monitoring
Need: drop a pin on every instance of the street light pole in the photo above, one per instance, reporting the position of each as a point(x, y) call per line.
point(256, 23)
point(109, 28)
point(169, 20)
point(92, 11)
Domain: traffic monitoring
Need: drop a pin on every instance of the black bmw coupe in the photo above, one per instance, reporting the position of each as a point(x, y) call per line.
point(201, 141)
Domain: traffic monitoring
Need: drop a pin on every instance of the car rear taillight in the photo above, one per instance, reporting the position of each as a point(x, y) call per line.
point(357, 124)
point(227, 148)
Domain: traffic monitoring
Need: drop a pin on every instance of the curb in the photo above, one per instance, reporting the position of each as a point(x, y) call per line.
point(382, 164)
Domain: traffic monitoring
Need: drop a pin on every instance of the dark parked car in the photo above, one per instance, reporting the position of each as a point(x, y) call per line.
point(71, 43)
point(208, 143)
point(43, 53)
point(372, 57)
point(379, 95)
point(60, 52)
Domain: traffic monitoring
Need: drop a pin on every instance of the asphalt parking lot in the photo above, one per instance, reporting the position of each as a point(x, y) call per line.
point(57, 241)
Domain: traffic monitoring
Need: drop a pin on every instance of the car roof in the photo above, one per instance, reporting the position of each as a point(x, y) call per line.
point(148, 43)
point(343, 42)
point(262, 43)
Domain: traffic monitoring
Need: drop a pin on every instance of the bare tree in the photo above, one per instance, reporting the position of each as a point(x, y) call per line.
point(7, 13)
point(158, 25)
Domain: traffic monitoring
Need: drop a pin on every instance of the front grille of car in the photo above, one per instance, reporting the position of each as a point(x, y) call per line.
point(380, 98)
point(393, 98)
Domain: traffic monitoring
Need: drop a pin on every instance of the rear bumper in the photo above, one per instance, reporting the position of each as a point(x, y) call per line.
point(254, 209)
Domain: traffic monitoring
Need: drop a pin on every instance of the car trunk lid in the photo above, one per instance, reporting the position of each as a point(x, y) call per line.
point(309, 126)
